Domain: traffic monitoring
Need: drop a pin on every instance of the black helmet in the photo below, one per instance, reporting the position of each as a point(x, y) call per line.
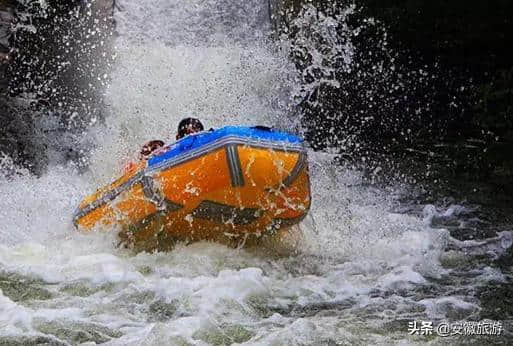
point(188, 126)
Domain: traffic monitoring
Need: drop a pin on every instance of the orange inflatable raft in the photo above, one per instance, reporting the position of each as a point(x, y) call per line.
point(229, 183)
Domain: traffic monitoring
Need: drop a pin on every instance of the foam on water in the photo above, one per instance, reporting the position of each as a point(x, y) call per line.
point(355, 258)
point(352, 253)
point(36, 209)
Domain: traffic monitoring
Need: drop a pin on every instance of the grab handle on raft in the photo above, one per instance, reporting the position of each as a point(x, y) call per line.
point(263, 128)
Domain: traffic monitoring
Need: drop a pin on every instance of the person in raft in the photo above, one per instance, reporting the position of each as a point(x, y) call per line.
point(186, 127)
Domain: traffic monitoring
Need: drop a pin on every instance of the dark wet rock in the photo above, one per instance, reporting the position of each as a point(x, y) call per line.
point(162, 311)
point(425, 292)
point(497, 301)
point(145, 270)
point(505, 262)
point(78, 332)
point(459, 260)
point(80, 289)
point(455, 313)
point(441, 110)
point(264, 309)
point(497, 340)
point(303, 265)
point(15, 126)
point(260, 306)
point(6, 17)
point(54, 73)
point(30, 341)
point(224, 335)
point(142, 297)
point(398, 325)
point(313, 309)
point(472, 233)
point(20, 288)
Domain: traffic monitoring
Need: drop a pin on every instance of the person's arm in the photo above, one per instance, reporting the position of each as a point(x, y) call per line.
point(129, 166)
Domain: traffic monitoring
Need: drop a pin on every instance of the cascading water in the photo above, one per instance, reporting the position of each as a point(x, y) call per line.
point(360, 271)
point(177, 59)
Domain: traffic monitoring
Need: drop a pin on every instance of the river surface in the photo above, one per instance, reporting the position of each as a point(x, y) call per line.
point(369, 259)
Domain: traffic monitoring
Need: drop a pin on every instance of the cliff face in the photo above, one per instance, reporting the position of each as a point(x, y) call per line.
point(431, 76)
point(12, 128)
point(6, 18)
point(472, 39)
point(422, 72)
point(54, 77)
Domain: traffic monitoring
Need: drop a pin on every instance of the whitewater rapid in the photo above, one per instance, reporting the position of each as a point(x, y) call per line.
point(357, 267)
point(353, 259)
